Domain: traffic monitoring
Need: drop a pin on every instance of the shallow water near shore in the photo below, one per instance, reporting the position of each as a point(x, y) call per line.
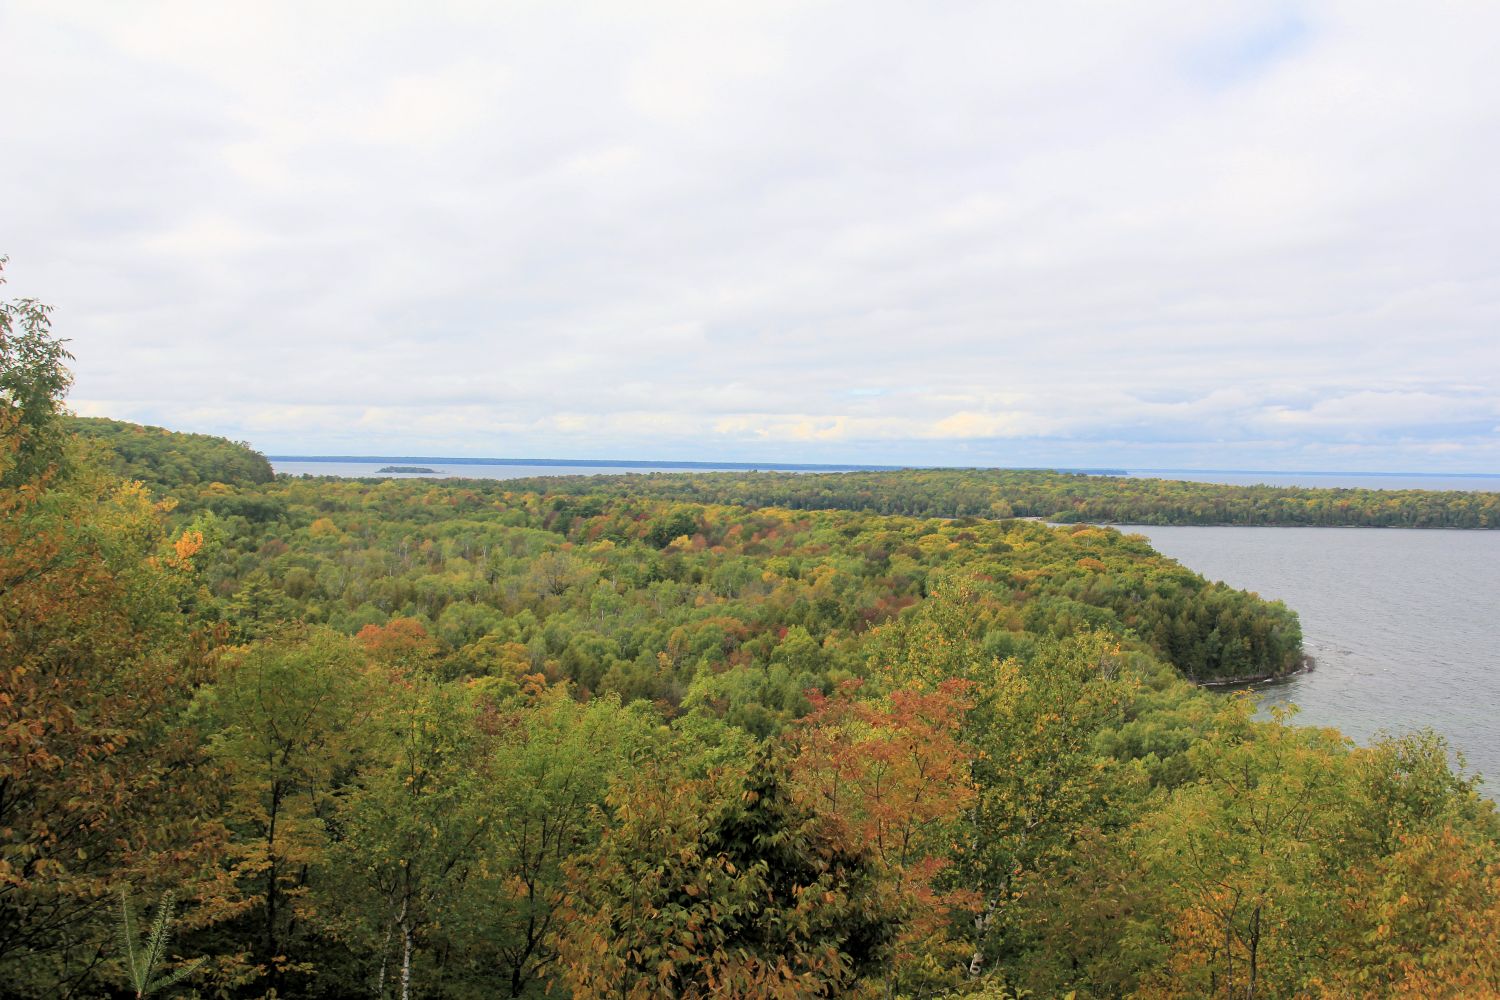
point(1404, 625)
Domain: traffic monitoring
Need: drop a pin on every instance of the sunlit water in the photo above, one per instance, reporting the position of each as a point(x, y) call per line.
point(1404, 624)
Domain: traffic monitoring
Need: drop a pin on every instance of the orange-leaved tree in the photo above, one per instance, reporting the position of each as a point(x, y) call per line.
point(893, 774)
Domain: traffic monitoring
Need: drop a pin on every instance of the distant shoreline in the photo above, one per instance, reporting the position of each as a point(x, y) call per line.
point(608, 463)
point(626, 463)
point(592, 463)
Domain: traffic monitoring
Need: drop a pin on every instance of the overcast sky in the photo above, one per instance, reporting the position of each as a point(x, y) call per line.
point(1225, 235)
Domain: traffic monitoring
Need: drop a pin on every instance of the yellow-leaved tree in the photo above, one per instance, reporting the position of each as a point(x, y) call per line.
point(101, 786)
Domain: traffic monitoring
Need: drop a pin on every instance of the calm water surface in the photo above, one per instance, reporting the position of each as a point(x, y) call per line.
point(356, 470)
point(1405, 624)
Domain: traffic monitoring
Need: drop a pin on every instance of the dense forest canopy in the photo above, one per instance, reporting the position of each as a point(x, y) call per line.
point(1067, 497)
point(457, 739)
point(165, 459)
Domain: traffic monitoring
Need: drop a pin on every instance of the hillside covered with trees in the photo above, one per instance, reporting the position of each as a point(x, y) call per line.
point(165, 460)
point(415, 739)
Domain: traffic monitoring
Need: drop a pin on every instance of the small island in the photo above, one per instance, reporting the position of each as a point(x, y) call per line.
point(408, 468)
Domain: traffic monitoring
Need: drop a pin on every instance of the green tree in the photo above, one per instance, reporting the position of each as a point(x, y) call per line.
point(411, 826)
point(723, 886)
point(1238, 858)
point(549, 768)
point(286, 723)
point(34, 377)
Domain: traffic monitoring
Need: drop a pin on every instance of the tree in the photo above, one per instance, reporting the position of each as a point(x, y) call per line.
point(892, 774)
point(723, 886)
point(286, 723)
point(554, 771)
point(100, 780)
point(402, 643)
point(410, 828)
point(1419, 915)
point(1423, 921)
point(34, 377)
point(1028, 737)
point(547, 764)
point(1238, 857)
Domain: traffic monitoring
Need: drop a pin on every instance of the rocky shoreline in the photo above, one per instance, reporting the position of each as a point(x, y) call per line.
point(1306, 666)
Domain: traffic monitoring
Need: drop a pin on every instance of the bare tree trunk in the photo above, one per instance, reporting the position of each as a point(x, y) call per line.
point(385, 958)
point(405, 960)
point(981, 925)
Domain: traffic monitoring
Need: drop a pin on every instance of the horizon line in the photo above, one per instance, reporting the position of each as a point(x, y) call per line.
point(848, 466)
point(676, 464)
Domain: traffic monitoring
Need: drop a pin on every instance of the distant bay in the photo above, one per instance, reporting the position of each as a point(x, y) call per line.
point(1405, 625)
point(358, 466)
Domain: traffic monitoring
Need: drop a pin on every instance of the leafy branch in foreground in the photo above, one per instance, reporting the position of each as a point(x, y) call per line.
point(144, 959)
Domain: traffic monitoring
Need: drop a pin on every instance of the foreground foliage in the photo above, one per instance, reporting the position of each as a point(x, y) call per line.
point(144, 957)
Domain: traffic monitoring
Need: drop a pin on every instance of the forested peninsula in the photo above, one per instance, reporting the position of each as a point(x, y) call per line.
point(1064, 497)
point(632, 737)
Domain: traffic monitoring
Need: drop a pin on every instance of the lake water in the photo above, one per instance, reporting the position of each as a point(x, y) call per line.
point(356, 470)
point(1405, 624)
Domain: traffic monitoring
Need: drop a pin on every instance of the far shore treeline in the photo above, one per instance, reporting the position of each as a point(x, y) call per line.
point(1066, 497)
point(744, 736)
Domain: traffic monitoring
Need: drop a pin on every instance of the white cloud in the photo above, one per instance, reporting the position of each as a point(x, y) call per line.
point(1370, 410)
point(1162, 233)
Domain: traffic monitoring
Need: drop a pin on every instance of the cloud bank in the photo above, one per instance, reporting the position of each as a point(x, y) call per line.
point(1239, 235)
